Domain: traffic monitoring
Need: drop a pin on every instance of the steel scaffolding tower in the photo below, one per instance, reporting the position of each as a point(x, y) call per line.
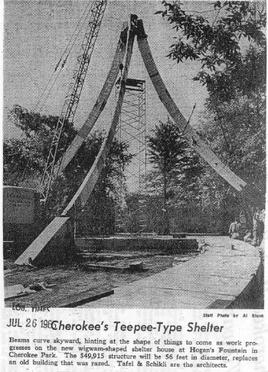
point(132, 131)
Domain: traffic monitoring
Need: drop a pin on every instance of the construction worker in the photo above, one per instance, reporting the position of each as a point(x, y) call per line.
point(235, 230)
point(258, 227)
point(262, 221)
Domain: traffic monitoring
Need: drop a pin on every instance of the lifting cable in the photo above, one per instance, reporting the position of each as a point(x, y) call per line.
point(46, 92)
point(62, 60)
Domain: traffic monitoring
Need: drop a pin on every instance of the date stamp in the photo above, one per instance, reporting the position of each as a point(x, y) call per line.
point(29, 323)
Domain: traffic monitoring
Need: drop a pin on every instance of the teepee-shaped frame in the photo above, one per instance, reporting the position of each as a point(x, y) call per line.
point(134, 29)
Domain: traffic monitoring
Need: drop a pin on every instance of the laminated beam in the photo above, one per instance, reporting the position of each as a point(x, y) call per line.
point(192, 136)
point(99, 105)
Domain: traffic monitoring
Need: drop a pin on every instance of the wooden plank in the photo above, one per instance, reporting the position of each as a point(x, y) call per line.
point(53, 300)
point(88, 266)
point(83, 298)
point(120, 266)
point(108, 256)
point(14, 291)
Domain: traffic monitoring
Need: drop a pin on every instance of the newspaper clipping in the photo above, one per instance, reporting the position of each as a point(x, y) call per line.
point(134, 165)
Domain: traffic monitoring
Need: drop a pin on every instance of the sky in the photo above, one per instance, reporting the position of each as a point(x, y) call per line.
point(36, 33)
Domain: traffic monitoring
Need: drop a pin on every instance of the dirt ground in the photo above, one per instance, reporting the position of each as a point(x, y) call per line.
point(68, 280)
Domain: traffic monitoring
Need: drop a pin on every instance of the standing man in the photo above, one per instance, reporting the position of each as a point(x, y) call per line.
point(258, 227)
point(235, 230)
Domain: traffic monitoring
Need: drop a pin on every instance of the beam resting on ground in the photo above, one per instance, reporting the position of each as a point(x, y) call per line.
point(45, 239)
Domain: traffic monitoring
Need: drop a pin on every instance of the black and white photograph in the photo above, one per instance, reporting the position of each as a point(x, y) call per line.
point(134, 186)
point(134, 154)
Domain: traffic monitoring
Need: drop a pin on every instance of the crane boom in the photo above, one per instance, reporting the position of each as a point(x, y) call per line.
point(92, 176)
point(71, 100)
point(99, 105)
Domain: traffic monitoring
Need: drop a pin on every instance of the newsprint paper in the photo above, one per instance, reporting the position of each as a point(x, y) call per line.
point(133, 186)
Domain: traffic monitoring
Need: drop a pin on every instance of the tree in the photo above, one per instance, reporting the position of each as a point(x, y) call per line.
point(237, 134)
point(217, 44)
point(25, 159)
point(231, 51)
point(176, 167)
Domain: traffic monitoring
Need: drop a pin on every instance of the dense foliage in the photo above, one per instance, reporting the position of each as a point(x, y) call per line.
point(217, 44)
point(229, 44)
point(175, 168)
point(25, 158)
